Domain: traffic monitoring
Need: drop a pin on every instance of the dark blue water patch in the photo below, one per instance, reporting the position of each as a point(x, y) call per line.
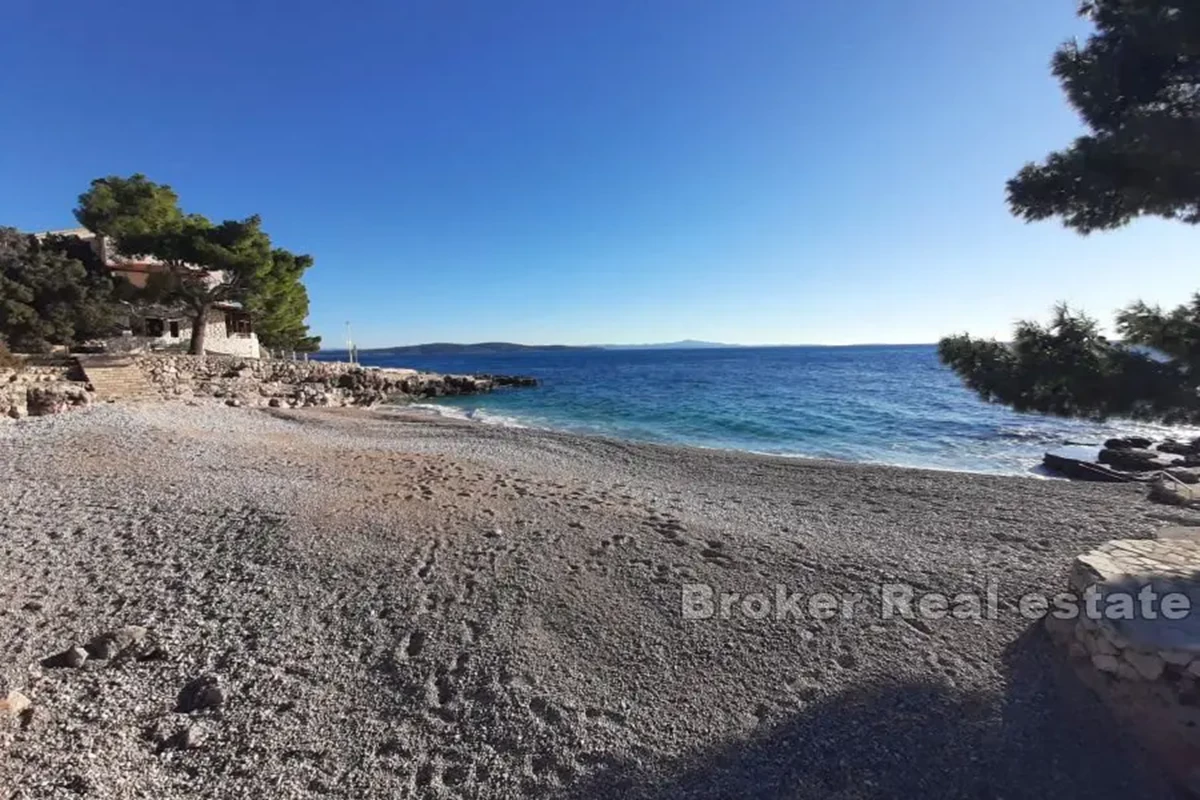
point(882, 404)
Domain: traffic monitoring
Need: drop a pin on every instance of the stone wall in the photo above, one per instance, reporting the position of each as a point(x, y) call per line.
point(216, 340)
point(1144, 665)
point(39, 390)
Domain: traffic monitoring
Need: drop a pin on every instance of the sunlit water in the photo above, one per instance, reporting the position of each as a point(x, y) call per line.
point(881, 404)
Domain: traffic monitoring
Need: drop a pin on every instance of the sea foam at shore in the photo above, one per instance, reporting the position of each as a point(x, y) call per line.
point(873, 404)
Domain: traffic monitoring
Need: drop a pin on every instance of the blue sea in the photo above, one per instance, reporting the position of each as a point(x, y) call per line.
point(878, 404)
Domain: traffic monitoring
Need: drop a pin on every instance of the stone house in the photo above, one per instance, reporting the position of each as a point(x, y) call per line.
point(229, 328)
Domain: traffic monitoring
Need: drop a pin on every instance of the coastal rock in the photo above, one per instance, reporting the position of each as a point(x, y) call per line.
point(1128, 443)
point(40, 391)
point(1127, 458)
point(1177, 448)
point(1077, 463)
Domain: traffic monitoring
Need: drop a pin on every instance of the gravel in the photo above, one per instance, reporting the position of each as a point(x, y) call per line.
point(379, 604)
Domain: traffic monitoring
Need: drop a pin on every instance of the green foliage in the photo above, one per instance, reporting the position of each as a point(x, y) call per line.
point(279, 303)
point(205, 263)
point(133, 210)
point(1136, 85)
point(1068, 368)
point(48, 298)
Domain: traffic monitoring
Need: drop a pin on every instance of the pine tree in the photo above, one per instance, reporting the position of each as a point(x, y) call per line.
point(1136, 85)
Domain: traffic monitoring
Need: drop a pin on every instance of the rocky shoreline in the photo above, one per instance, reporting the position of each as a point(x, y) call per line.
point(42, 389)
point(300, 384)
point(1171, 467)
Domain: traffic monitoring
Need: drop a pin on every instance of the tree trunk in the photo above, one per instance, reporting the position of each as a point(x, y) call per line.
point(199, 327)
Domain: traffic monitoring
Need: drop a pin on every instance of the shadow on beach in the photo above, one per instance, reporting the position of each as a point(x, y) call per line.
point(1044, 736)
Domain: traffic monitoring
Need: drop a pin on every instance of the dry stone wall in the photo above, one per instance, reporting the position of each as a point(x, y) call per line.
point(38, 390)
point(1139, 646)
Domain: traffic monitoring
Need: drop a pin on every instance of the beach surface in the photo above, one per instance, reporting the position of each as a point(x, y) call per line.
point(401, 606)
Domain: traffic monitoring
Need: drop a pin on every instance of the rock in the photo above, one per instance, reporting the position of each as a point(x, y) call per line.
point(233, 402)
point(1099, 643)
point(1076, 463)
point(188, 738)
point(56, 398)
point(1105, 663)
point(1134, 460)
point(274, 402)
point(108, 645)
point(1194, 668)
point(74, 657)
point(1176, 657)
point(199, 694)
point(15, 705)
point(1175, 448)
point(1127, 672)
point(1148, 665)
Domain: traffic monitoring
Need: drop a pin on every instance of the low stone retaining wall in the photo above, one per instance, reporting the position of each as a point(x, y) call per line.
point(39, 390)
point(1141, 652)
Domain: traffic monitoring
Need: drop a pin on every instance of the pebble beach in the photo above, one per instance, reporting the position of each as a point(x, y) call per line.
point(385, 604)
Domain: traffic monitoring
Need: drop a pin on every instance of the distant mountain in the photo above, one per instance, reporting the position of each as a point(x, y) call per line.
point(686, 344)
point(451, 349)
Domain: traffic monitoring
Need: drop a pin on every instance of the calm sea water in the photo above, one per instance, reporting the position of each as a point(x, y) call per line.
point(881, 404)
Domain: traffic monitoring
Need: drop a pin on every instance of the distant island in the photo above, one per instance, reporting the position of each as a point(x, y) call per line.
point(498, 348)
point(452, 349)
point(685, 344)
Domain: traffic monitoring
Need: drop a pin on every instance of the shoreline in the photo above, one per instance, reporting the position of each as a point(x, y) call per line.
point(416, 607)
point(432, 410)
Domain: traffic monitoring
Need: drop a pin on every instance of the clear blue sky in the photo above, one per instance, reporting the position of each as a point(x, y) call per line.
point(590, 170)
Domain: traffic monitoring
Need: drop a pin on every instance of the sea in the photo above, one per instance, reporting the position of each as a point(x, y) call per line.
point(879, 404)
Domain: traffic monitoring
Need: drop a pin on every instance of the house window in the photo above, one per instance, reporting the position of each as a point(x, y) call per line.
point(154, 327)
point(237, 324)
point(174, 329)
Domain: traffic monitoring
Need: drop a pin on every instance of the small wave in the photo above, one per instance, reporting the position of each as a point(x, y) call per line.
point(466, 414)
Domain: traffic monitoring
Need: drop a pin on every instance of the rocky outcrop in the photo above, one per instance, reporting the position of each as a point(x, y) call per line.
point(1131, 458)
point(41, 390)
point(293, 384)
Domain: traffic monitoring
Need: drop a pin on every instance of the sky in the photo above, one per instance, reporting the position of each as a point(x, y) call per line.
point(594, 171)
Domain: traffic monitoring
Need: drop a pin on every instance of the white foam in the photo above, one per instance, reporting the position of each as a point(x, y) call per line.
point(466, 414)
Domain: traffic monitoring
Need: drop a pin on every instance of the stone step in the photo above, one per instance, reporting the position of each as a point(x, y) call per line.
point(115, 378)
